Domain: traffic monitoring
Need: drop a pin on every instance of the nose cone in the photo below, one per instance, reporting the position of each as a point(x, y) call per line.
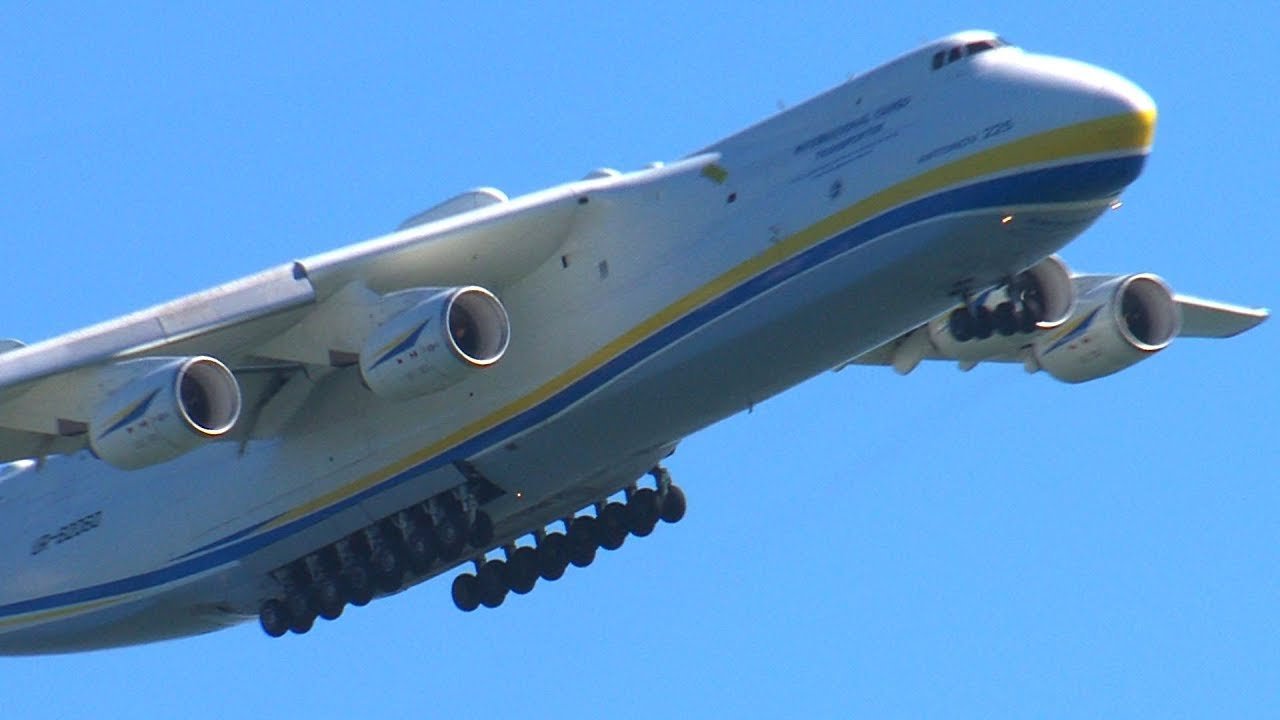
point(1128, 110)
point(1120, 115)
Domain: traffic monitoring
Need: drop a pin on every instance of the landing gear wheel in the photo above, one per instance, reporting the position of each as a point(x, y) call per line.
point(611, 526)
point(451, 531)
point(982, 326)
point(358, 582)
point(420, 551)
point(466, 592)
point(960, 323)
point(274, 617)
point(389, 569)
point(301, 623)
point(643, 511)
point(553, 556)
point(493, 583)
point(673, 505)
point(582, 541)
point(327, 599)
point(1005, 319)
point(522, 570)
point(481, 531)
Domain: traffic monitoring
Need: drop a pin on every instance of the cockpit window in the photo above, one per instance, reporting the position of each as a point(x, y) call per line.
point(974, 48)
point(946, 57)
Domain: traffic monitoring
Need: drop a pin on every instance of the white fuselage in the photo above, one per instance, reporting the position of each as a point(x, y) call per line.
point(821, 233)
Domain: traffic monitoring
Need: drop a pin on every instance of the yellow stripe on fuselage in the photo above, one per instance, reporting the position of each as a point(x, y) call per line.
point(64, 611)
point(1128, 132)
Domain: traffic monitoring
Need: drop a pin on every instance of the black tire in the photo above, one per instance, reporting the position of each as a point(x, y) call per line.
point(481, 531)
point(1005, 319)
point(466, 592)
point(297, 606)
point(357, 581)
point(420, 551)
point(582, 541)
point(327, 599)
point(673, 504)
point(451, 531)
point(523, 570)
point(611, 526)
point(960, 323)
point(300, 624)
point(492, 579)
point(982, 326)
point(643, 511)
point(553, 556)
point(388, 570)
point(274, 618)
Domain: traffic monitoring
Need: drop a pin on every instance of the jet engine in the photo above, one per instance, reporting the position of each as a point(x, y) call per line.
point(1039, 298)
point(1116, 324)
point(168, 407)
point(435, 343)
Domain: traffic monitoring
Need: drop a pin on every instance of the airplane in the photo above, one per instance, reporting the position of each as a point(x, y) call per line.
point(493, 387)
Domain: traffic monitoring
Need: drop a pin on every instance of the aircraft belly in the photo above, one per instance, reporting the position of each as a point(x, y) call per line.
point(790, 333)
point(178, 611)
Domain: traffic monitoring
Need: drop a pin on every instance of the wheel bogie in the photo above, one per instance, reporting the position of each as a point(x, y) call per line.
point(406, 545)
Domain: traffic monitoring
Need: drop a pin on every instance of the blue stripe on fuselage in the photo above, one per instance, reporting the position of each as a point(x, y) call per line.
point(1075, 182)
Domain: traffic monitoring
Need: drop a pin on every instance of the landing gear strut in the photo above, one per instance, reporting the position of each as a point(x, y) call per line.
point(1019, 314)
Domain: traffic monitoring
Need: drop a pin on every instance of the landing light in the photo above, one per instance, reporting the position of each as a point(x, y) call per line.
point(1117, 204)
point(1006, 219)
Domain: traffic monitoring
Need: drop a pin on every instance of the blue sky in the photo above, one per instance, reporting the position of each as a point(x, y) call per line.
point(946, 544)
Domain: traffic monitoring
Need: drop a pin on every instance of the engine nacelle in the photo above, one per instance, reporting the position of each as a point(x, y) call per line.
point(169, 407)
point(1115, 325)
point(435, 343)
point(1039, 298)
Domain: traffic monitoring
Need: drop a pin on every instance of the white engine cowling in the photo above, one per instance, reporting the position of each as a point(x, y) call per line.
point(435, 343)
point(169, 407)
point(1047, 285)
point(1115, 325)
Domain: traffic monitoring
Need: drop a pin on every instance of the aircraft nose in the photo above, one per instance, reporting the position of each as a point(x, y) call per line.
point(1120, 114)
point(1124, 111)
point(1117, 96)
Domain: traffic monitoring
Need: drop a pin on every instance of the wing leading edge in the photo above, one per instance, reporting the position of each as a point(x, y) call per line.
point(49, 389)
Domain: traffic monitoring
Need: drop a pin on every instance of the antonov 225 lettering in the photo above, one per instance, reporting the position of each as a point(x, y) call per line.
point(491, 389)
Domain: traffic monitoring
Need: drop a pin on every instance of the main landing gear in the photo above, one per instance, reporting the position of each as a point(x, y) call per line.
point(522, 567)
point(975, 321)
point(376, 559)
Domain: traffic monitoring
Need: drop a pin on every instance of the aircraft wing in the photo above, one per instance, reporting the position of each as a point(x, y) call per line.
point(1187, 316)
point(1211, 319)
point(270, 327)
